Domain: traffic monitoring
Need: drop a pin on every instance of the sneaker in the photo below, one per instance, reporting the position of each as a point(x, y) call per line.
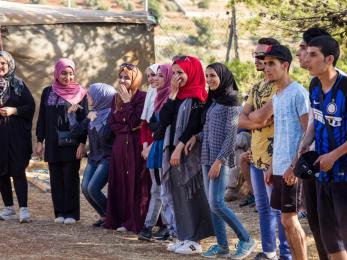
point(59, 220)
point(230, 195)
point(145, 233)
point(24, 216)
point(189, 248)
point(175, 245)
point(69, 221)
point(99, 223)
point(216, 251)
point(263, 256)
point(162, 234)
point(7, 213)
point(121, 229)
point(243, 249)
point(249, 200)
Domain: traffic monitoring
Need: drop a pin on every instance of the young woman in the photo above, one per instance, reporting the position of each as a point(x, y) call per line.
point(160, 198)
point(17, 109)
point(100, 136)
point(128, 182)
point(63, 151)
point(220, 123)
point(182, 173)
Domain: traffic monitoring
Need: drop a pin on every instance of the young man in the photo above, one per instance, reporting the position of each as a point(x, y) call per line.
point(328, 91)
point(309, 186)
point(261, 149)
point(289, 106)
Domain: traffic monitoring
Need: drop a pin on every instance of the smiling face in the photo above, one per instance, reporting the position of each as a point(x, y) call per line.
point(259, 49)
point(301, 54)
point(150, 77)
point(178, 72)
point(67, 76)
point(316, 62)
point(274, 69)
point(3, 67)
point(159, 79)
point(124, 79)
point(212, 79)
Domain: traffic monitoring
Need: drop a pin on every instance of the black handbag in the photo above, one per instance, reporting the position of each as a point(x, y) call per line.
point(65, 138)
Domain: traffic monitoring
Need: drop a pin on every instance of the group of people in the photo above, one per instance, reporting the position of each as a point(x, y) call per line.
point(167, 155)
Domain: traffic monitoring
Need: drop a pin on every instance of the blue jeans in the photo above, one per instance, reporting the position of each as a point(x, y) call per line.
point(220, 212)
point(268, 218)
point(94, 180)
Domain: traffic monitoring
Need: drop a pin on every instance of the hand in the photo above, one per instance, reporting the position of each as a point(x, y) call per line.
point(269, 121)
point(124, 94)
point(145, 152)
point(39, 149)
point(214, 171)
point(189, 145)
point(248, 155)
point(175, 85)
point(176, 155)
point(8, 111)
point(73, 108)
point(92, 116)
point(289, 176)
point(326, 161)
point(268, 176)
point(81, 151)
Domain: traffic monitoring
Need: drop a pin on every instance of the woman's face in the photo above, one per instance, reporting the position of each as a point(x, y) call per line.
point(67, 76)
point(151, 77)
point(3, 67)
point(159, 80)
point(212, 79)
point(124, 80)
point(178, 72)
point(90, 100)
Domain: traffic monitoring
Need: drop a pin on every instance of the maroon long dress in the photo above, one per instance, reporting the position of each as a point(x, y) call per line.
point(128, 181)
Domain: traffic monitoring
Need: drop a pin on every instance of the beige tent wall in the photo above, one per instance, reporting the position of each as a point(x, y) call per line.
point(97, 49)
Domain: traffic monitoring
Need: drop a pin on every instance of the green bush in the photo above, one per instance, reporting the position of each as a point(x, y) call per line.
point(204, 4)
point(155, 8)
point(92, 3)
point(103, 6)
point(203, 29)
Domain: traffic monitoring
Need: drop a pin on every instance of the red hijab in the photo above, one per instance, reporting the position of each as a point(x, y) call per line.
point(195, 86)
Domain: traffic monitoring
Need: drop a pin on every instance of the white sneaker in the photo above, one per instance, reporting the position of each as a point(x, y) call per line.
point(7, 213)
point(59, 220)
point(69, 221)
point(189, 248)
point(24, 216)
point(173, 246)
point(121, 229)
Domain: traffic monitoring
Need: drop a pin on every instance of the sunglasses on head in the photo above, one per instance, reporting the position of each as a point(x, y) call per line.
point(258, 54)
point(127, 65)
point(180, 57)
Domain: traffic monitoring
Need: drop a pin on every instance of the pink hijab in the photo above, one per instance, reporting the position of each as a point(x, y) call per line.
point(163, 92)
point(72, 93)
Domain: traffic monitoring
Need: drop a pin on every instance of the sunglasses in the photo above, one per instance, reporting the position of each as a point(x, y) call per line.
point(128, 66)
point(258, 54)
point(180, 57)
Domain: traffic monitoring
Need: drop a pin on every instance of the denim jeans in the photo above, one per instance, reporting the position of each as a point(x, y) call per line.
point(221, 214)
point(268, 218)
point(94, 180)
point(155, 204)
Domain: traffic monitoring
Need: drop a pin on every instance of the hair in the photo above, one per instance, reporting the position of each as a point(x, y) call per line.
point(327, 45)
point(268, 41)
point(314, 32)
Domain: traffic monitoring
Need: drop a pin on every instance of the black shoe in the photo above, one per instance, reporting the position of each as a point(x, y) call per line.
point(99, 223)
point(262, 256)
point(145, 234)
point(162, 234)
point(250, 200)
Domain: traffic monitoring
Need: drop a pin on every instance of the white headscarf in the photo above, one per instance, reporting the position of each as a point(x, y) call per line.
point(148, 108)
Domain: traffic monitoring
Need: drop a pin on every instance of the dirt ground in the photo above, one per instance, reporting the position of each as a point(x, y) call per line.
point(43, 239)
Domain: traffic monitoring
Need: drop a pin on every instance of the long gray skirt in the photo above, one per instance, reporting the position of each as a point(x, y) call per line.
point(193, 217)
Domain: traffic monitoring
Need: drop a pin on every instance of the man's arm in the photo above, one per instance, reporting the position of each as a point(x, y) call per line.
point(262, 114)
point(245, 122)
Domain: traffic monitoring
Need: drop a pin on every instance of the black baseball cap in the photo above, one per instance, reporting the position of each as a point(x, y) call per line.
point(305, 167)
point(278, 51)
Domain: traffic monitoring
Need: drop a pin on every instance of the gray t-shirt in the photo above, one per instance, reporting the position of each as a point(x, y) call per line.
point(288, 106)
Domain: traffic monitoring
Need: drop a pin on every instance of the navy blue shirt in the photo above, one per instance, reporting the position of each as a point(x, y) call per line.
point(330, 108)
